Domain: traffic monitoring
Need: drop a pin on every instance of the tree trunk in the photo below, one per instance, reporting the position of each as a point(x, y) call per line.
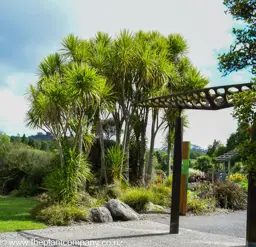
point(126, 140)
point(103, 173)
point(142, 148)
point(152, 144)
point(169, 152)
point(119, 123)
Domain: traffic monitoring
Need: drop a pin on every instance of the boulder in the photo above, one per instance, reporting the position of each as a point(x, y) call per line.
point(121, 211)
point(151, 207)
point(100, 215)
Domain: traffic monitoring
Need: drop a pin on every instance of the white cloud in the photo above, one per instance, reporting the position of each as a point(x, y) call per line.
point(205, 126)
point(13, 113)
point(202, 23)
point(239, 77)
point(206, 73)
point(19, 82)
point(13, 103)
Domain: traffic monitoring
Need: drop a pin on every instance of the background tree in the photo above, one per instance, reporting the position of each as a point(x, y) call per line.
point(242, 53)
point(242, 56)
point(204, 163)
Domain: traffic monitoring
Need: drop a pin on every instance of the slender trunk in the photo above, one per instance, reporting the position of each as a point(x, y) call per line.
point(103, 174)
point(62, 161)
point(141, 174)
point(80, 144)
point(126, 140)
point(169, 152)
point(118, 134)
point(127, 150)
point(118, 123)
point(151, 150)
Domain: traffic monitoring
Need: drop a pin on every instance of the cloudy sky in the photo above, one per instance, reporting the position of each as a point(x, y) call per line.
point(31, 29)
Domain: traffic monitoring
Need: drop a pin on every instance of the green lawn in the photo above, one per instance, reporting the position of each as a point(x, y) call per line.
point(14, 214)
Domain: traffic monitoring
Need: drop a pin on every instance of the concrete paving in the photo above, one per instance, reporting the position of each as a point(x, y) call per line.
point(131, 234)
point(231, 224)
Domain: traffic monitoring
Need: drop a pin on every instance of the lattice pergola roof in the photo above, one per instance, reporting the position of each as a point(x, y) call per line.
point(227, 156)
point(213, 98)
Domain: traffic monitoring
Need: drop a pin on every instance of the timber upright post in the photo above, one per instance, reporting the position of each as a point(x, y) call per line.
point(251, 202)
point(184, 177)
point(177, 162)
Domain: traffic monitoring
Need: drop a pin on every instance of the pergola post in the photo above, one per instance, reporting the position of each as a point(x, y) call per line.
point(229, 163)
point(251, 212)
point(177, 162)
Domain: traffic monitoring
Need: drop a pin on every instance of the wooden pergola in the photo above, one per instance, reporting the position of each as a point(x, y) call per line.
point(213, 98)
point(227, 157)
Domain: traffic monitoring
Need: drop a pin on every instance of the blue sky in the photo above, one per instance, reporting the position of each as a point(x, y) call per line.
point(31, 29)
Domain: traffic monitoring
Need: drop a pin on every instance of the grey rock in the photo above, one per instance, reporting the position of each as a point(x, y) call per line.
point(100, 215)
point(151, 207)
point(121, 211)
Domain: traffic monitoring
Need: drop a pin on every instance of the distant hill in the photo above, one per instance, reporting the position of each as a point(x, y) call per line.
point(41, 136)
point(197, 148)
point(192, 146)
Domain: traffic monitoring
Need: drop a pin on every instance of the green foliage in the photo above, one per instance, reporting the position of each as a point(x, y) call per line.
point(161, 195)
point(65, 183)
point(239, 167)
point(168, 181)
point(162, 160)
point(230, 195)
point(43, 202)
point(34, 163)
point(199, 206)
point(241, 54)
point(244, 184)
point(26, 188)
point(22, 163)
point(137, 198)
point(62, 215)
point(114, 157)
point(4, 145)
point(204, 164)
point(107, 192)
point(216, 149)
point(204, 190)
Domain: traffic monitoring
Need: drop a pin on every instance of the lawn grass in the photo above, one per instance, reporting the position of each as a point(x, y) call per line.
point(14, 214)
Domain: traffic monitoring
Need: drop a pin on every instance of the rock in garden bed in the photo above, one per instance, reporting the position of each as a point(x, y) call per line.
point(100, 215)
point(153, 208)
point(121, 211)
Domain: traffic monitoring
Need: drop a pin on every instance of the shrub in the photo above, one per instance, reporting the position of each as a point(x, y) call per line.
point(26, 188)
point(137, 198)
point(62, 215)
point(168, 181)
point(244, 185)
point(107, 192)
point(230, 195)
point(64, 184)
point(203, 163)
point(161, 195)
point(204, 190)
point(24, 169)
point(199, 206)
point(238, 177)
point(196, 176)
point(115, 157)
point(43, 202)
